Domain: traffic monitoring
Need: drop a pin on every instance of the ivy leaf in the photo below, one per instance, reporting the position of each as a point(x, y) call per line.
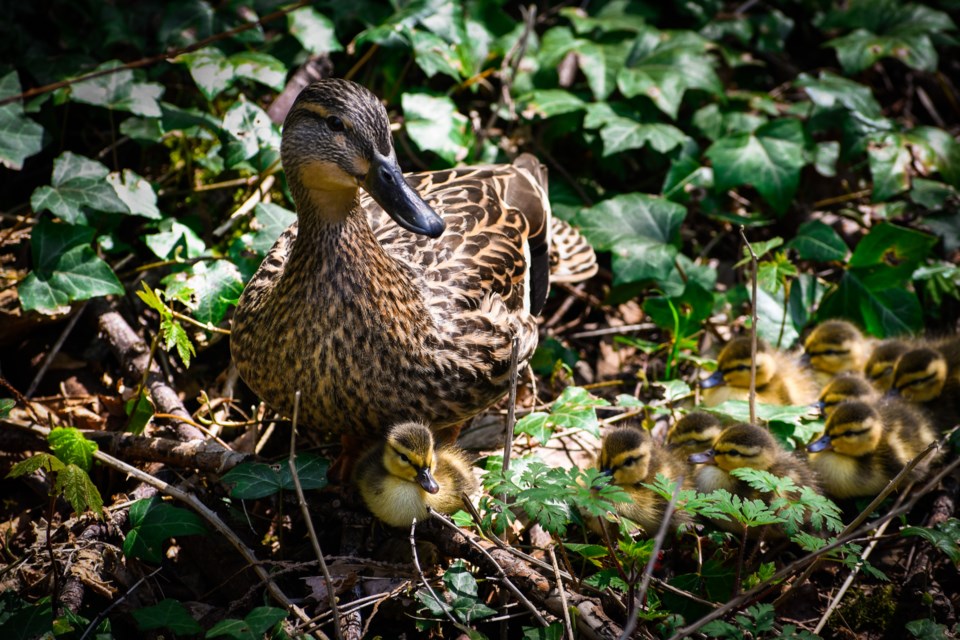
point(547, 103)
point(681, 315)
point(255, 480)
point(69, 445)
point(260, 67)
point(174, 236)
point(433, 54)
point(629, 217)
point(889, 254)
point(119, 91)
point(139, 409)
point(153, 521)
point(943, 536)
point(890, 158)
point(313, 30)
point(65, 269)
point(623, 134)
point(167, 614)
point(20, 137)
point(831, 91)
point(250, 130)
point(884, 312)
point(76, 486)
point(78, 184)
point(818, 241)
point(769, 159)
point(6, 406)
point(210, 69)
point(272, 221)
point(434, 124)
point(136, 193)
point(212, 289)
point(262, 619)
point(665, 64)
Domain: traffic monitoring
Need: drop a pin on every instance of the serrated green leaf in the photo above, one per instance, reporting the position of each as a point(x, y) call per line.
point(769, 159)
point(434, 124)
point(174, 336)
point(64, 270)
point(152, 522)
point(151, 299)
point(818, 241)
point(69, 445)
point(6, 406)
point(313, 30)
point(214, 288)
point(44, 461)
point(76, 486)
point(136, 193)
point(20, 137)
point(167, 614)
point(272, 221)
point(119, 91)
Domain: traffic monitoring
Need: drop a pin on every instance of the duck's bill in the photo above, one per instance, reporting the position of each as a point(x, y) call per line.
point(704, 457)
point(714, 380)
point(385, 183)
point(823, 444)
point(425, 480)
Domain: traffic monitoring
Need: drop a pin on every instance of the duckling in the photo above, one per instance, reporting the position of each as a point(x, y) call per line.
point(882, 360)
point(405, 473)
point(693, 433)
point(864, 445)
point(845, 386)
point(833, 347)
point(374, 305)
point(746, 445)
point(631, 457)
point(780, 380)
point(926, 378)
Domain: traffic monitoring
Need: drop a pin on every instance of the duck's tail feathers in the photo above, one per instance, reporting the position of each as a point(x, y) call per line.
point(572, 259)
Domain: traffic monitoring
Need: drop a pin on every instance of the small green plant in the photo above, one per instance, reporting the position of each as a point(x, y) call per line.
point(153, 521)
point(458, 598)
point(756, 623)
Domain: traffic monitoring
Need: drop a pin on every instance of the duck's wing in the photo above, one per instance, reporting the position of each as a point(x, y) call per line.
point(496, 241)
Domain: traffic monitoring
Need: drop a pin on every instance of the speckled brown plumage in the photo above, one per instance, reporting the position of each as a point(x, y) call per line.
point(375, 324)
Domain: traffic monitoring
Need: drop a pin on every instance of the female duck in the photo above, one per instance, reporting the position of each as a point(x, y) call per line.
point(378, 320)
point(405, 473)
point(631, 458)
point(779, 379)
point(864, 445)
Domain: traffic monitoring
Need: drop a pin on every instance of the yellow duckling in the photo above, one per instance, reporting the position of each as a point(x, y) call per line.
point(928, 379)
point(780, 379)
point(405, 473)
point(864, 445)
point(630, 457)
point(746, 445)
point(879, 367)
point(846, 386)
point(833, 347)
point(693, 433)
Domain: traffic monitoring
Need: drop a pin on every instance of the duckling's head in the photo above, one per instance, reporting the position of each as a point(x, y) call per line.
point(740, 445)
point(845, 386)
point(919, 375)
point(881, 363)
point(834, 346)
point(336, 138)
point(853, 429)
point(408, 454)
point(733, 365)
point(695, 431)
point(625, 455)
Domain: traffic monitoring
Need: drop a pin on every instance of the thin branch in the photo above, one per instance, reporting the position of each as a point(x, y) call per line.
point(292, 463)
point(55, 349)
point(568, 627)
point(416, 563)
point(753, 328)
point(511, 405)
point(106, 611)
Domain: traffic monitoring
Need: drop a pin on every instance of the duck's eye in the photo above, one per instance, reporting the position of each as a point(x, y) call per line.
point(336, 124)
point(404, 457)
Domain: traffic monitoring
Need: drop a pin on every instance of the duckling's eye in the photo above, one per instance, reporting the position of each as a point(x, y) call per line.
point(739, 367)
point(733, 453)
point(404, 457)
point(830, 352)
point(336, 124)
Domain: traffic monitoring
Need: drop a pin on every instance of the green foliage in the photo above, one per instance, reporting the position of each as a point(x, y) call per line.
point(166, 614)
point(575, 409)
point(20, 620)
point(152, 522)
point(927, 629)
point(756, 622)
point(171, 331)
point(943, 536)
point(254, 626)
point(254, 480)
point(458, 598)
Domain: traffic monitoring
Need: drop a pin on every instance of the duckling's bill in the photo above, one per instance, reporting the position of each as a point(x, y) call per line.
point(425, 479)
point(821, 444)
point(704, 457)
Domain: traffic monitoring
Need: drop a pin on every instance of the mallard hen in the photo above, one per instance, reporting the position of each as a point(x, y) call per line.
point(403, 474)
point(378, 320)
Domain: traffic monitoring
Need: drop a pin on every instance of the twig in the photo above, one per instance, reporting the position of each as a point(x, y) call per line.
point(54, 350)
point(608, 331)
point(423, 578)
point(103, 614)
point(503, 575)
point(146, 62)
point(753, 328)
point(511, 405)
point(292, 463)
point(563, 595)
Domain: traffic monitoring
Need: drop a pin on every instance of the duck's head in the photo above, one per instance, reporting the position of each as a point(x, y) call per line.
point(881, 363)
point(625, 455)
point(740, 445)
point(696, 431)
point(853, 429)
point(336, 138)
point(846, 386)
point(919, 375)
point(833, 347)
point(408, 454)
point(733, 365)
